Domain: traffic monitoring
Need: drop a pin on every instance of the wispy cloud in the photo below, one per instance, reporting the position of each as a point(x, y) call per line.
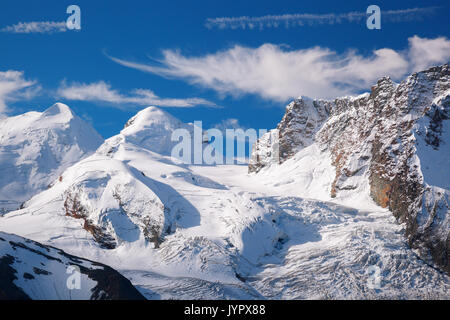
point(36, 27)
point(424, 52)
point(308, 19)
point(102, 92)
point(14, 87)
point(276, 73)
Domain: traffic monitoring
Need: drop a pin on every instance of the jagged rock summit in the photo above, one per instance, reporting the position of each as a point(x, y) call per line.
point(393, 143)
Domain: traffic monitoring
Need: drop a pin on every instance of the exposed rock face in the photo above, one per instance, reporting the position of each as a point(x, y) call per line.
point(397, 138)
point(28, 268)
point(75, 209)
point(303, 118)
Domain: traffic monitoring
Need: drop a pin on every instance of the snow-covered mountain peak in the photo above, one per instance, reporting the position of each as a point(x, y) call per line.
point(148, 119)
point(60, 110)
point(36, 147)
point(151, 129)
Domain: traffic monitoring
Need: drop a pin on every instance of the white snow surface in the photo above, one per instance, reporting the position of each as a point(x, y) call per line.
point(226, 234)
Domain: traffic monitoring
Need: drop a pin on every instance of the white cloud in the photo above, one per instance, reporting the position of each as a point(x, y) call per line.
point(102, 92)
point(308, 19)
point(36, 27)
point(276, 73)
point(13, 87)
point(426, 52)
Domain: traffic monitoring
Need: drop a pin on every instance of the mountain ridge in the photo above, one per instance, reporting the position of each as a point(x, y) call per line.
point(184, 231)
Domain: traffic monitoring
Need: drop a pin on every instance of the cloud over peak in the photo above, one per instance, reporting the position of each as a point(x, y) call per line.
point(279, 74)
point(14, 86)
point(102, 92)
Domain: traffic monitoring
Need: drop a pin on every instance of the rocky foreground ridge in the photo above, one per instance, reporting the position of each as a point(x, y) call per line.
point(31, 270)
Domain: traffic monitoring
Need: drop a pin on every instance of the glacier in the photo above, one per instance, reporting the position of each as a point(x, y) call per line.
point(180, 231)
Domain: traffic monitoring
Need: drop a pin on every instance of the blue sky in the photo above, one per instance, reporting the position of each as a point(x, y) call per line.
point(250, 73)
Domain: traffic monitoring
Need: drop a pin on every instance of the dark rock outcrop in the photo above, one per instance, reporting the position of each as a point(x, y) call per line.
point(30, 270)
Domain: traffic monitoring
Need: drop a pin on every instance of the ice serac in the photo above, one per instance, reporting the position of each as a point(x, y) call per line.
point(31, 270)
point(396, 139)
point(36, 147)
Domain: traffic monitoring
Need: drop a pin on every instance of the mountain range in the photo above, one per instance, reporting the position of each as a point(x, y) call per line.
point(345, 199)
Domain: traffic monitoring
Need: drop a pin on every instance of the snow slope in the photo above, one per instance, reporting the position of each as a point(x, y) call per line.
point(223, 233)
point(36, 147)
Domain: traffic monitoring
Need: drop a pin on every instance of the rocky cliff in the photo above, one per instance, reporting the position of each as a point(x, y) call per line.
point(395, 139)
